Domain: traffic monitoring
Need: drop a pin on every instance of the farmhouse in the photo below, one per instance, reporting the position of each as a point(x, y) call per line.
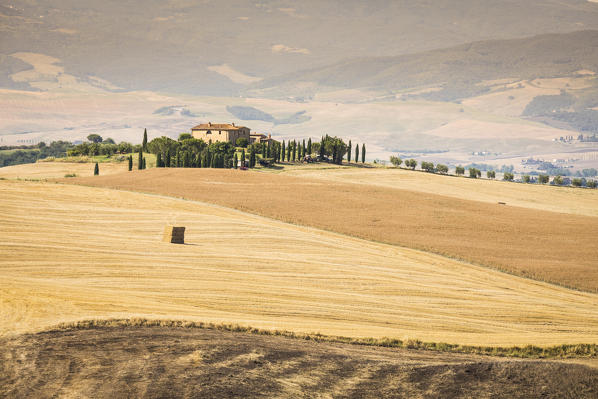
point(260, 138)
point(214, 132)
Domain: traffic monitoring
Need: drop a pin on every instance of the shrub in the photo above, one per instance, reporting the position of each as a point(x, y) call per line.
point(427, 166)
point(508, 176)
point(440, 168)
point(576, 182)
point(396, 161)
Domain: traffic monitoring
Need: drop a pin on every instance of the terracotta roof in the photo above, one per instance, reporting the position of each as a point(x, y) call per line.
point(258, 135)
point(217, 126)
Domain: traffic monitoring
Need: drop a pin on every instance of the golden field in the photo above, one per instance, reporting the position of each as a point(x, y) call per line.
point(73, 252)
point(549, 246)
point(55, 170)
point(534, 196)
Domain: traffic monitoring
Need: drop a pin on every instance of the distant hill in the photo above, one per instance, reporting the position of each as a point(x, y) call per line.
point(457, 71)
point(216, 48)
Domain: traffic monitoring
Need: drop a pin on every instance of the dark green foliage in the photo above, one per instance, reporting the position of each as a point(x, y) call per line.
point(309, 146)
point(363, 153)
point(557, 180)
point(185, 136)
point(109, 141)
point(411, 163)
point(94, 138)
point(474, 173)
point(159, 161)
point(548, 105)
point(236, 161)
point(459, 170)
point(577, 182)
point(242, 142)
point(591, 184)
point(490, 174)
point(427, 166)
point(303, 149)
point(322, 149)
point(395, 161)
point(443, 169)
point(543, 179)
point(526, 179)
point(130, 163)
point(508, 176)
point(96, 169)
point(144, 142)
point(349, 148)
point(283, 150)
point(143, 163)
point(140, 159)
point(252, 158)
point(356, 153)
point(294, 150)
point(168, 160)
point(243, 157)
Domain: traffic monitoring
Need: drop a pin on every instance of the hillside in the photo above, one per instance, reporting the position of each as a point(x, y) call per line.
point(216, 48)
point(457, 71)
point(529, 242)
point(72, 253)
point(179, 362)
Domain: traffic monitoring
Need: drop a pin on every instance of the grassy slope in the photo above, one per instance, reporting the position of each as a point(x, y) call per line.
point(548, 246)
point(73, 252)
point(533, 196)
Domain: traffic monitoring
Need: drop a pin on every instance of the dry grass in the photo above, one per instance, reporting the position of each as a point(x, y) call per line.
point(534, 196)
point(54, 170)
point(72, 253)
point(556, 247)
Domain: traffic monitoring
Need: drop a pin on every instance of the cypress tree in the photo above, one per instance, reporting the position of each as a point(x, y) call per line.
point(322, 148)
point(96, 170)
point(159, 160)
point(168, 159)
point(282, 151)
point(363, 153)
point(263, 150)
point(143, 163)
point(349, 152)
point(144, 143)
point(243, 157)
point(289, 152)
point(177, 159)
point(294, 150)
point(130, 163)
point(235, 161)
point(356, 153)
point(334, 154)
point(269, 150)
point(252, 158)
point(309, 146)
point(140, 159)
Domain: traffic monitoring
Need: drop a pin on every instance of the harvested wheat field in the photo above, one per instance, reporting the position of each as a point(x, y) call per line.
point(534, 196)
point(74, 252)
point(54, 170)
point(557, 247)
point(181, 362)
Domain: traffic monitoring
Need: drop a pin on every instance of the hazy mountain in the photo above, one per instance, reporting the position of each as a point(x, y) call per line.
point(217, 48)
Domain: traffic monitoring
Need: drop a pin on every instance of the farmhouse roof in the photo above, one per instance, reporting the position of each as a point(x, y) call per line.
point(217, 126)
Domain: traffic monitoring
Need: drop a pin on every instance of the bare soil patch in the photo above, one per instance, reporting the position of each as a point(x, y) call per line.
point(548, 246)
point(193, 363)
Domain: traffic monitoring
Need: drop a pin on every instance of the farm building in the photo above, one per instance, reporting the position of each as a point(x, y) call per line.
point(260, 138)
point(214, 132)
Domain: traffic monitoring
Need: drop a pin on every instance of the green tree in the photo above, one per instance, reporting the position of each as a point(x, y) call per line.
point(591, 184)
point(508, 176)
point(243, 157)
point(185, 136)
point(168, 160)
point(283, 150)
point(140, 159)
point(428, 166)
point(474, 173)
point(411, 163)
point(443, 169)
point(490, 174)
point(526, 179)
point(242, 142)
point(96, 170)
point(159, 161)
point(543, 179)
point(130, 163)
point(235, 161)
point(252, 157)
point(349, 149)
point(459, 170)
point(363, 153)
point(322, 149)
point(356, 153)
point(94, 138)
point(144, 143)
point(576, 182)
point(143, 163)
point(309, 146)
point(294, 150)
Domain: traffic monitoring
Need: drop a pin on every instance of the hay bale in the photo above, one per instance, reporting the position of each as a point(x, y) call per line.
point(174, 235)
